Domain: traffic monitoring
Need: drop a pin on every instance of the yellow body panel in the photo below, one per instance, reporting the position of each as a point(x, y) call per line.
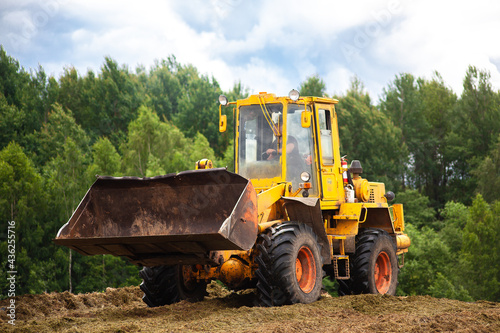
point(265, 184)
point(347, 220)
point(267, 198)
point(399, 221)
point(344, 227)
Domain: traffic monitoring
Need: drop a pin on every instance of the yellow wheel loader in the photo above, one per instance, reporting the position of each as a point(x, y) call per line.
point(292, 210)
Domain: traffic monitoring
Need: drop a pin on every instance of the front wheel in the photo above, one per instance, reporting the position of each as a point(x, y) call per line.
point(374, 265)
point(164, 285)
point(290, 265)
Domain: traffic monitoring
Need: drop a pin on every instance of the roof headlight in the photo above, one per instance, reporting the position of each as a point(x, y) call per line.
point(294, 95)
point(223, 100)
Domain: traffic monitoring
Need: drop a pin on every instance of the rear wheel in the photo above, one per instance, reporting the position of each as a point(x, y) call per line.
point(164, 285)
point(290, 265)
point(374, 265)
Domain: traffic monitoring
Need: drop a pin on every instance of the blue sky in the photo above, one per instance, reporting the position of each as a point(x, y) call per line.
point(267, 45)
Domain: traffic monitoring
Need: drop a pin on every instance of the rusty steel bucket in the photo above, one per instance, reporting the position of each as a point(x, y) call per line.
point(179, 218)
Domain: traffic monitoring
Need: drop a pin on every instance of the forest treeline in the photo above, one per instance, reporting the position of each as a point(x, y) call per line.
point(439, 152)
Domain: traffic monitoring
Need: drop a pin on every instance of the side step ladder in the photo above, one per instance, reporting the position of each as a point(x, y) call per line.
point(345, 260)
point(342, 257)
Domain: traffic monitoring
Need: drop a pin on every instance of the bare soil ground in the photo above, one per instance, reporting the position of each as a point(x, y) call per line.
point(122, 310)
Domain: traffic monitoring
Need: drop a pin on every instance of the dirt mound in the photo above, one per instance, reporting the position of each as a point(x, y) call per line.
point(46, 305)
point(122, 310)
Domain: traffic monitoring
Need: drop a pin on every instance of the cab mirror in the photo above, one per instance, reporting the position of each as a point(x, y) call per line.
point(305, 119)
point(222, 123)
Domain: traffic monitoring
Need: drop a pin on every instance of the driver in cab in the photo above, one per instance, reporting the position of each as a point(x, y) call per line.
point(275, 149)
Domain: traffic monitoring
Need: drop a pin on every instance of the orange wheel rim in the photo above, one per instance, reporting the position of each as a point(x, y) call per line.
point(305, 269)
point(298, 269)
point(383, 273)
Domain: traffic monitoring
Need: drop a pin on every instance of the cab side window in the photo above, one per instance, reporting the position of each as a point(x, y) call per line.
point(325, 129)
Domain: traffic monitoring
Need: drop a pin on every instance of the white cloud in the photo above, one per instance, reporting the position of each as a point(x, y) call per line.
point(339, 79)
point(437, 36)
point(267, 45)
point(261, 77)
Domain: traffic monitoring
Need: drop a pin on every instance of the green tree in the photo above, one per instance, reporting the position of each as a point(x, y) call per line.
point(476, 126)
point(454, 215)
point(313, 86)
point(154, 167)
point(426, 257)
point(25, 99)
point(40, 95)
point(13, 79)
point(417, 209)
point(430, 268)
point(67, 183)
point(228, 160)
point(106, 160)
point(23, 201)
point(401, 102)
point(53, 135)
point(80, 95)
point(481, 250)
point(120, 94)
point(200, 148)
point(198, 104)
point(431, 163)
point(66, 177)
point(102, 104)
point(96, 273)
point(11, 121)
point(239, 91)
point(164, 88)
point(369, 136)
point(487, 175)
point(148, 135)
point(442, 287)
point(21, 188)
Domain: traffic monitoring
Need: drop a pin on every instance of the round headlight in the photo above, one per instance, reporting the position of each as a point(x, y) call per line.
point(305, 176)
point(223, 100)
point(294, 95)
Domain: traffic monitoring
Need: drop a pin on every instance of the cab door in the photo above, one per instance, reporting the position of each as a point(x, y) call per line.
point(329, 154)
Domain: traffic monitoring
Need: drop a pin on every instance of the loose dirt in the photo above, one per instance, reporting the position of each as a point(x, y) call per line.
point(122, 310)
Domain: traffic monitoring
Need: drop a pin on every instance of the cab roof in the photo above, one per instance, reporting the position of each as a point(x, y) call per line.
point(270, 98)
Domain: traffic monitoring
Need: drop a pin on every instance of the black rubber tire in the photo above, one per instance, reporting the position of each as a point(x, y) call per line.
point(164, 285)
point(344, 287)
point(371, 244)
point(282, 249)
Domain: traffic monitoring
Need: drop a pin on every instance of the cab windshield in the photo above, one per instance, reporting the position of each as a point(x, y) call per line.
point(264, 145)
point(258, 133)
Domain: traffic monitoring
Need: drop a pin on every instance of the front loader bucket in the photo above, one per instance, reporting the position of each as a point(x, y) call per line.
point(177, 218)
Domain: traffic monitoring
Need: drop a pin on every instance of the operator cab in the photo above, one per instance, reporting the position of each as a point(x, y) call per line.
point(272, 144)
